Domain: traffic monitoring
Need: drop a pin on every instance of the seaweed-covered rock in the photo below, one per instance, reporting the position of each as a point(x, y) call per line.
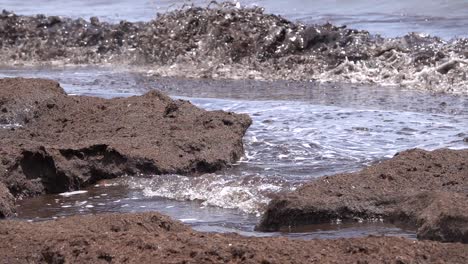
point(51, 142)
point(426, 189)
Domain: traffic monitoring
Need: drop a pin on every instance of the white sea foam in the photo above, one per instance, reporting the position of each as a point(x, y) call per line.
point(8, 126)
point(246, 193)
point(67, 194)
point(188, 219)
point(301, 141)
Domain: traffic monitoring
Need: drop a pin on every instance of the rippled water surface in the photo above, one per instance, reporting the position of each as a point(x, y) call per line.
point(300, 131)
point(443, 18)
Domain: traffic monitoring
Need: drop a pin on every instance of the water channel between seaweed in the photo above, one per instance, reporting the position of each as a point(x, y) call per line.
point(301, 130)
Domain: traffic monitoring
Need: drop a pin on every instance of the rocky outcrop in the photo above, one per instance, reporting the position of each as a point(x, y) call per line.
point(425, 189)
point(153, 238)
point(51, 142)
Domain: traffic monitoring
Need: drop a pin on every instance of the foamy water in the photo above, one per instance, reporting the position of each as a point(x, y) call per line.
point(292, 142)
point(9, 126)
point(247, 193)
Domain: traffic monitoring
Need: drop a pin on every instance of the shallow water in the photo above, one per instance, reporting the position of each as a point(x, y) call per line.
point(300, 131)
point(442, 18)
point(119, 198)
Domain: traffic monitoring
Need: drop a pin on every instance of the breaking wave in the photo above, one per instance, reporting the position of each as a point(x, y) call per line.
point(290, 143)
point(225, 41)
point(248, 193)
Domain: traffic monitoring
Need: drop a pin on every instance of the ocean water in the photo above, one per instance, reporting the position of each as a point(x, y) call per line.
point(444, 18)
point(301, 130)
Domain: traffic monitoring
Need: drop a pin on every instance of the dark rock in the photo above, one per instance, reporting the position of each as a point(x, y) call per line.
point(422, 188)
point(64, 143)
